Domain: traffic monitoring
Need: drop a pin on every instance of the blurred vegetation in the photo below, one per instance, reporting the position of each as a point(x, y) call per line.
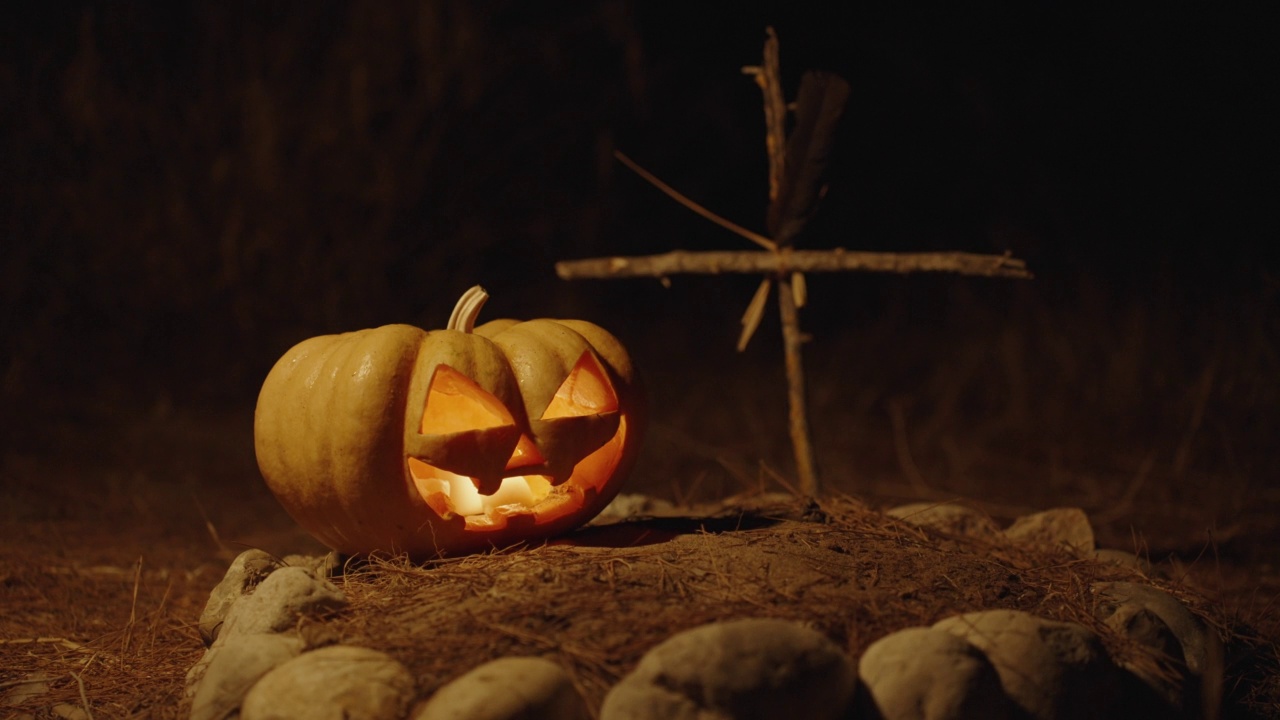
point(193, 187)
point(198, 186)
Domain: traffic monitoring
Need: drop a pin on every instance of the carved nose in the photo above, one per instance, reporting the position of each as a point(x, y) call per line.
point(525, 455)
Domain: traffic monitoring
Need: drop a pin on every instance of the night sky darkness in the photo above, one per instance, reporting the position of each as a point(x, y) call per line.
point(191, 187)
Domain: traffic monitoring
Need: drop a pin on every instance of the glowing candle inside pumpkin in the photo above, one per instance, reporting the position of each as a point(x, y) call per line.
point(514, 491)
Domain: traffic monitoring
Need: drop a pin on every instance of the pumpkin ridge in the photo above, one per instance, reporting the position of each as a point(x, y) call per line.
point(340, 417)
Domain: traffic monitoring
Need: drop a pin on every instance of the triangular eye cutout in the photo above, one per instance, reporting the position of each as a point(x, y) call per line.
point(455, 403)
point(587, 391)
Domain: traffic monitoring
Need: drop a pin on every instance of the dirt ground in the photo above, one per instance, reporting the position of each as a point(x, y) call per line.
point(106, 562)
point(184, 209)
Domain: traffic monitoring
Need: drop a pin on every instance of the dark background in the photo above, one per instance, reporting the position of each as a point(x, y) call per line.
point(190, 188)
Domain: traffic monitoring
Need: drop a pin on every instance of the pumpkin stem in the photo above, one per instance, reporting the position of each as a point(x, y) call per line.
point(467, 310)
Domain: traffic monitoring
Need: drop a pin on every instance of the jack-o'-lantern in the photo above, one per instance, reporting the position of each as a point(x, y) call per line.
point(400, 440)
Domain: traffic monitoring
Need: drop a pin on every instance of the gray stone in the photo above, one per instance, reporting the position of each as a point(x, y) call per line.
point(27, 689)
point(1052, 670)
point(1197, 642)
point(195, 674)
point(258, 595)
point(631, 505)
point(653, 701)
point(67, 711)
point(233, 665)
point(929, 674)
point(756, 668)
point(322, 566)
point(1059, 526)
point(512, 688)
point(247, 570)
point(1125, 558)
point(286, 595)
point(1164, 654)
point(948, 518)
point(1185, 653)
point(338, 682)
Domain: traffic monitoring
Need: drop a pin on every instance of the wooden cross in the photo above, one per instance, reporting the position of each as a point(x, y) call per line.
point(797, 171)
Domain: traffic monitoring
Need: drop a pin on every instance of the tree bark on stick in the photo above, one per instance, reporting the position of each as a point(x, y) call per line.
point(798, 414)
point(788, 261)
point(798, 165)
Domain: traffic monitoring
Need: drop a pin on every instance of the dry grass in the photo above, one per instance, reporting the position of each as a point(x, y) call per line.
point(594, 601)
point(111, 642)
point(1154, 422)
point(177, 224)
point(597, 601)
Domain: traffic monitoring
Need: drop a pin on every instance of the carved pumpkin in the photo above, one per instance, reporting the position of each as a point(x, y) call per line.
point(401, 440)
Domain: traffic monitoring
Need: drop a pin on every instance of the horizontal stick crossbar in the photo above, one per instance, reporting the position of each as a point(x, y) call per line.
point(788, 261)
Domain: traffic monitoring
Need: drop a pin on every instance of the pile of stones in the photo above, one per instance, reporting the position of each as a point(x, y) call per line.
point(993, 664)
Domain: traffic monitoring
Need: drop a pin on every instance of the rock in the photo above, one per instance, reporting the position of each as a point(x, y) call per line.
point(1059, 526)
point(195, 674)
point(929, 674)
point(257, 595)
point(756, 668)
point(322, 566)
point(67, 711)
point(1122, 557)
point(286, 594)
point(233, 666)
point(948, 518)
point(650, 701)
point(338, 682)
point(507, 689)
point(628, 505)
point(1162, 673)
point(1052, 670)
point(1198, 644)
point(27, 689)
point(247, 570)
point(1186, 655)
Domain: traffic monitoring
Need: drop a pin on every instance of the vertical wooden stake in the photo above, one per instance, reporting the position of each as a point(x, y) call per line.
point(787, 215)
point(797, 411)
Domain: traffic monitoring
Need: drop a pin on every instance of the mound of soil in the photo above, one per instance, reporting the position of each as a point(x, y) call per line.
point(597, 600)
point(103, 576)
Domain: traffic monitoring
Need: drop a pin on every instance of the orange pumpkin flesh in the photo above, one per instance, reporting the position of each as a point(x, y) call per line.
point(404, 441)
point(456, 404)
